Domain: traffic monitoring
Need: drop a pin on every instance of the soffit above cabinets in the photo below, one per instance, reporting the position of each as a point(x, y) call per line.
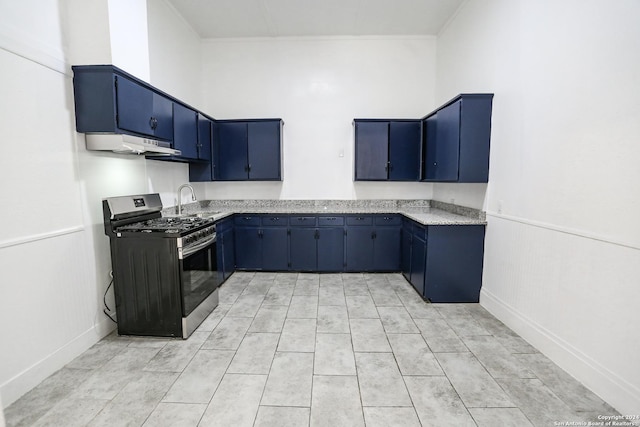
point(291, 18)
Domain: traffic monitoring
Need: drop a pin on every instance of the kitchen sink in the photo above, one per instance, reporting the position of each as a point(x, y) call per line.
point(201, 214)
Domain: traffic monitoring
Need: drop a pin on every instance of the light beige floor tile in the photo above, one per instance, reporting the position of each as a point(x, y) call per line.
point(298, 335)
point(289, 382)
point(176, 414)
point(335, 402)
point(413, 355)
point(333, 319)
point(368, 335)
point(390, 417)
point(235, 402)
point(380, 381)
point(334, 355)
point(255, 354)
point(281, 416)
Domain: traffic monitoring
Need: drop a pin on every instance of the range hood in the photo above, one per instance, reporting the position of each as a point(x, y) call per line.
point(128, 144)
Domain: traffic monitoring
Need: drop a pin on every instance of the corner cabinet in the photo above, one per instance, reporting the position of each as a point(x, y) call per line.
point(456, 139)
point(387, 150)
point(443, 262)
point(247, 150)
point(108, 100)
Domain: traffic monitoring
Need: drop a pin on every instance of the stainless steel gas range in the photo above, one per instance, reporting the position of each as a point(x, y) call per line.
point(164, 268)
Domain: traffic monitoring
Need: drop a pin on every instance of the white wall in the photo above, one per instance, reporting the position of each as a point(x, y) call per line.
point(318, 86)
point(562, 254)
point(54, 258)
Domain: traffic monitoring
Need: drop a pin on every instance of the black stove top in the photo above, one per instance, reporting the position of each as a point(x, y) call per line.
point(167, 225)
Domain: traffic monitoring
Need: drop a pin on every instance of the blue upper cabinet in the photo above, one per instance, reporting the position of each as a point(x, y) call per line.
point(205, 137)
point(248, 150)
point(202, 170)
point(456, 140)
point(387, 150)
point(108, 100)
point(185, 131)
point(404, 150)
point(264, 150)
point(372, 150)
point(230, 142)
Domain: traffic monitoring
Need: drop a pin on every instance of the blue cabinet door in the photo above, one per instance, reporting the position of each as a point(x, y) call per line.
point(448, 142)
point(141, 110)
point(248, 246)
point(203, 171)
point(304, 249)
point(387, 248)
point(274, 249)
point(330, 249)
point(404, 150)
point(231, 148)
point(430, 162)
point(134, 107)
point(228, 253)
point(264, 150)
point(185, 131)
point(454, 263)
point(359, 248)
point(418, 262)
point(372, 145)
point(475, 137)
point(205, 138)
point(163, 115)
point(406, 253)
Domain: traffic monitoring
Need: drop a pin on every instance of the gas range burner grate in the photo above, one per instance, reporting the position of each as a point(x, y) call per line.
point(166, 225)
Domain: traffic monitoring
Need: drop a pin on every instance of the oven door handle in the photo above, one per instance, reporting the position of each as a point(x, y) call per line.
point(185, 252)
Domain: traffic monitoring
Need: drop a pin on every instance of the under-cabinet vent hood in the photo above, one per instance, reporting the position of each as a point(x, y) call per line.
point(128, 144)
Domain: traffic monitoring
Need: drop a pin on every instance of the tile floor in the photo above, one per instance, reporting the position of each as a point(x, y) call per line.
point(333, 350)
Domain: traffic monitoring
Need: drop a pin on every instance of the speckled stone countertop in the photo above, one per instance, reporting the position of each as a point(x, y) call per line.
point(426, 212)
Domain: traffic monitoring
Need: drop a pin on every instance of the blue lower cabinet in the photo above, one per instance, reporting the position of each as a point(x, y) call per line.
point(248, 246)
point(454, 263)
point(275, 249)
point(387, 248)
point(418, 262)
point(359, 248)
point(304, 250)
point(330, 249)
point(225, 249)
point(406, 252)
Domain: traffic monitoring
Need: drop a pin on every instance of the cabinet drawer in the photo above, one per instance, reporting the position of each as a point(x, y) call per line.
point(274, 220)
point(330, 220)
point(304, 221)
point(247, 220)
point(388, 220)
point(359, 220)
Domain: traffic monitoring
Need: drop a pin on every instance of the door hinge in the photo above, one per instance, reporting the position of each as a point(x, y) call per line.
point(288, 232)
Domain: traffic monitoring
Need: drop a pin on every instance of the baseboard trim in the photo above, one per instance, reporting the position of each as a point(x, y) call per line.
point(26, 380)
point(615, 390)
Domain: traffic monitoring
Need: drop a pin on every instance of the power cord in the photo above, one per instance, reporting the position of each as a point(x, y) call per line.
point(104, 300)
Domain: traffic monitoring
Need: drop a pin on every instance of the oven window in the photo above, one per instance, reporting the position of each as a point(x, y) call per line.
point(199, 277)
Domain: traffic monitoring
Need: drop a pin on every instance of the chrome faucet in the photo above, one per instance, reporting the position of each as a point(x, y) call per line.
point(193, 196)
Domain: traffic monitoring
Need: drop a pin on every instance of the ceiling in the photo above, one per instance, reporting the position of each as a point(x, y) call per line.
point(290, 18)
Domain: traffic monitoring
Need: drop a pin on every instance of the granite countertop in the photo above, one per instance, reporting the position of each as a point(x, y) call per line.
point(426, 212)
